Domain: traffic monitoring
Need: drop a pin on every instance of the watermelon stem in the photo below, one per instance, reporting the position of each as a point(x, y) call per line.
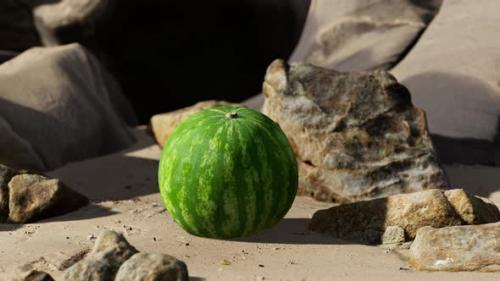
point(232, 115)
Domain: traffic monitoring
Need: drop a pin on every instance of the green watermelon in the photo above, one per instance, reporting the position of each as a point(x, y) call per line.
point(227, 172)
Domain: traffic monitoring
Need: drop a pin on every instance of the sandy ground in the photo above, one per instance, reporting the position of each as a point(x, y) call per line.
point(123, 187)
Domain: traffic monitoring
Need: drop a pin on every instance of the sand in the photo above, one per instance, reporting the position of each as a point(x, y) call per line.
point(124, 191)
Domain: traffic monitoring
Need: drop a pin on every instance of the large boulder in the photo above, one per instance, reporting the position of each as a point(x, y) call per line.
point(453, 74)
point(354, 35)
point(59, 105)
point(369, 221)
point(168, 55)
point(355, 135)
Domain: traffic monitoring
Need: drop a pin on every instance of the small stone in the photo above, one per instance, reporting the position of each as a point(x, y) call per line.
point(367, 221)
point(110, 251)
point(164, 124)
point(143, 266)
point(34, 275)
point(356, 136)
point(393, 235)
point(458, 248)
point(33, 197)
point(261, 265)
point(225, 262)
point(91, 237)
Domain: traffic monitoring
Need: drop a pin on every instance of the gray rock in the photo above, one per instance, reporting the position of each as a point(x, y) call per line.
point(354, 35)
point(356, 135)
point(453, 76)
point(34, 275)
point(5, 175)
point(33, 197)
point(59, 105)
point(110, 251)
point(150, 267)
point(367, 221)
point(458, 248)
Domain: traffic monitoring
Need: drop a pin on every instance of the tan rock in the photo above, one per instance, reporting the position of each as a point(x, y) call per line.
point(164, 124)
point(458, 248)
point(367, 221)
point(33, 196)
point(356, 135)
point(472, 209)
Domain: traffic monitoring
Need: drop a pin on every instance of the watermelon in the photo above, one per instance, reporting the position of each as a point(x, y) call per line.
point(227, 172)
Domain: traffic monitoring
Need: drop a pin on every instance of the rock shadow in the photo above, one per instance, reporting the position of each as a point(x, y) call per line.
point(293, 231)
point(457, 105)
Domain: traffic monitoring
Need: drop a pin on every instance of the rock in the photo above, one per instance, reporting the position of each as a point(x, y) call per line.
point(216, 51)
point(110, 251)
point(356, 135)
point(143, 266)
point(33, 197)
point(164, 124)
point(59, 105)
point(472, 209)
point(17, 30)
point(452, 73)
point(5, 175)
point(360, 35)
point(34, 275)
point(458, 248)
point(367, 221)
point(393, 235)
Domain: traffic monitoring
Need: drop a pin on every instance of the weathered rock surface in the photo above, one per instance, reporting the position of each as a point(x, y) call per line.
point(34, 275)
point(453, 76)
point(110, 251)
point(145, 266)
point(164, 124)
point(355, 135)
point(367, 221)
point(458, 248)
point(357, 35)
point(34, 197)
point(59, 105)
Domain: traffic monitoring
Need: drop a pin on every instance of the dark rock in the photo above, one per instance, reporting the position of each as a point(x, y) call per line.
point(143, 266)
point(33, 197)
point(367, 221)
point(34, 275)
point(5, 175)
point(458, 248)
point(169, 55)
point(59, 105)
point(361, 35)
point(355, 135)
point(110, 251)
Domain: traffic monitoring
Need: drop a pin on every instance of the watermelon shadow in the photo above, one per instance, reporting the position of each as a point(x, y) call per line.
point(293, 231)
